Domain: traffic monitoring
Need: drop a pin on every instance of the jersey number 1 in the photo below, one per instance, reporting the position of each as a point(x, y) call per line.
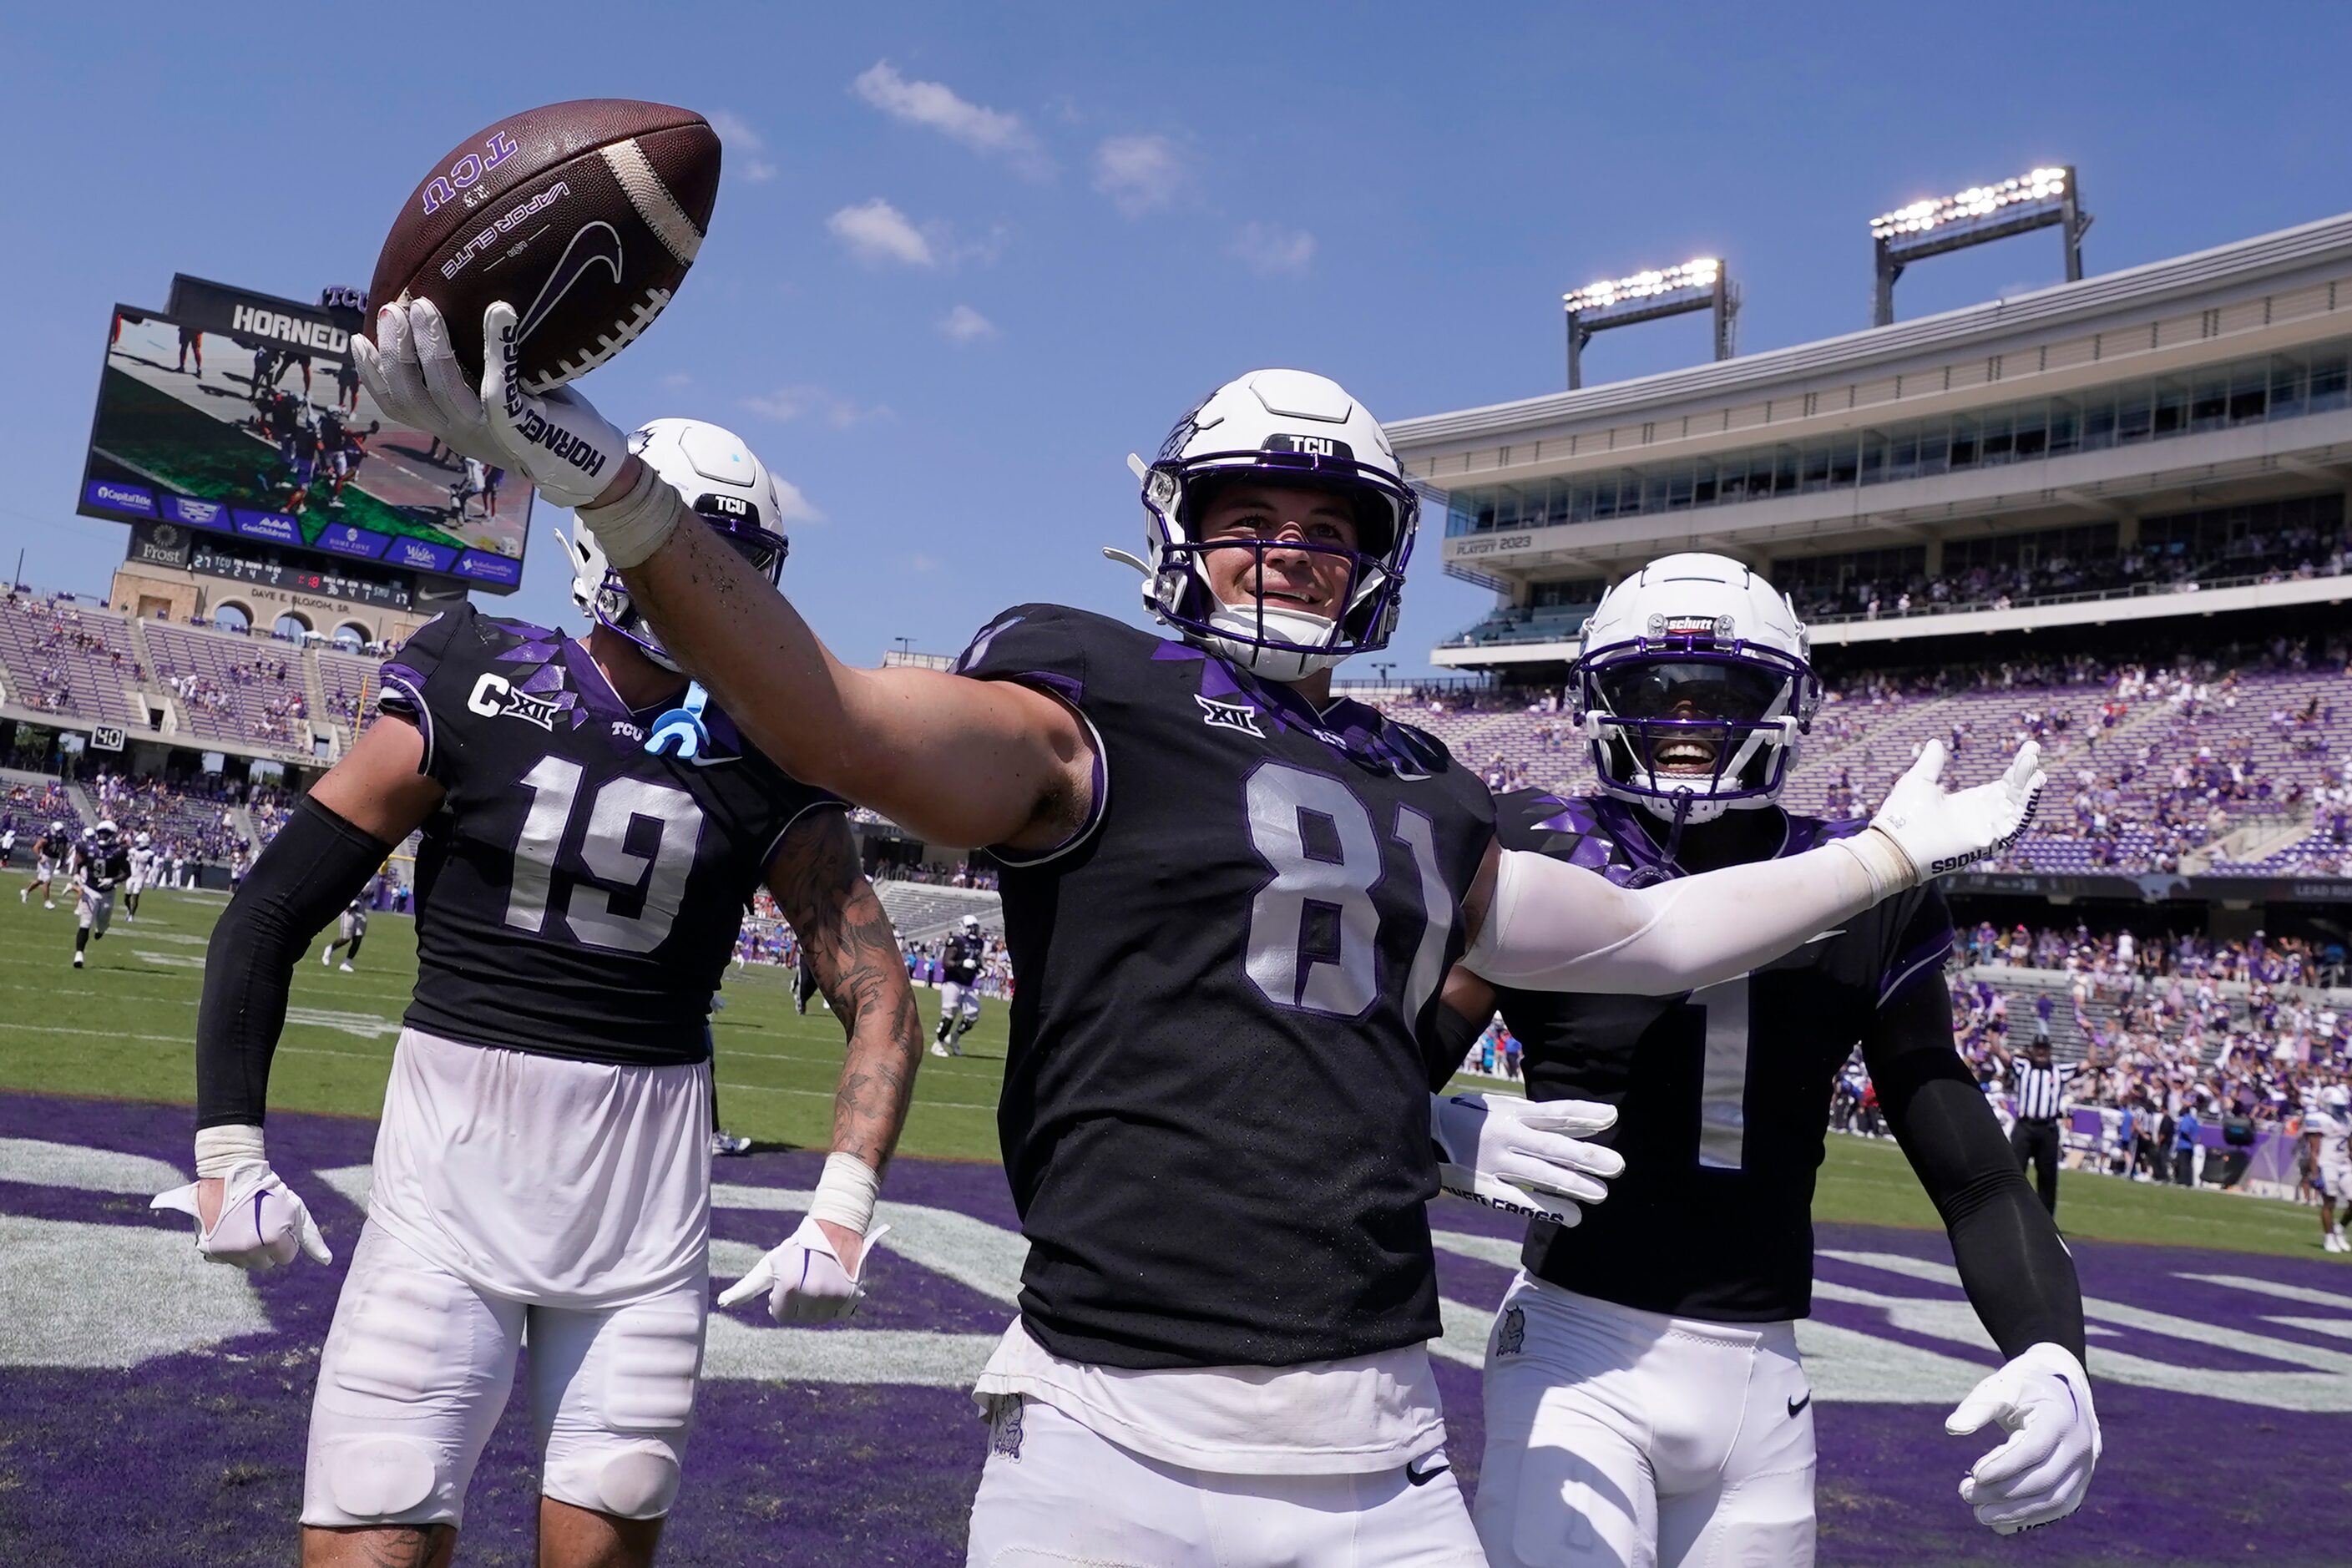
point(1332, 880)
point(1722, 1010)
point(554, 785)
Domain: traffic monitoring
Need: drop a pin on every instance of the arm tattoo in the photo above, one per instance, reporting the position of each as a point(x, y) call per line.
point(854, 952)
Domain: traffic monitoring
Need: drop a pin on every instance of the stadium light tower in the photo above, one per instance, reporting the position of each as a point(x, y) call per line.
point(2036, 199)
point(1700, 285)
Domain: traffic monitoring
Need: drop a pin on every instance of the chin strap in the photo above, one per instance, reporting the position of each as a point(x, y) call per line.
point(1650, 875)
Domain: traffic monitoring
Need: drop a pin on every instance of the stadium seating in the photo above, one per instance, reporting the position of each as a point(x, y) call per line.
point(2149, 769)
point(58, 657)
point(233, 689)
point(923, 911)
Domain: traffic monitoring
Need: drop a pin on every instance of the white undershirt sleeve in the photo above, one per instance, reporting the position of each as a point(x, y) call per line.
point(1556, 927)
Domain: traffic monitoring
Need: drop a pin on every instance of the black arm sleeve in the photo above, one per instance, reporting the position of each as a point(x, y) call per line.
point(1452, 1035)
point(312, 871)
point(2019, 1276)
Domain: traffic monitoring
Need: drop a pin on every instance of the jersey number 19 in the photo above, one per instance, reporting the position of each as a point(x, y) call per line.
point(618, 804)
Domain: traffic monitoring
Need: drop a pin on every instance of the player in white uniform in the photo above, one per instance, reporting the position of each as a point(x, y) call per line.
point(53, 848)
point(2328, 1124)
point(351, 929)
point(542, 1169)
point(8, 845)
point(143, 870)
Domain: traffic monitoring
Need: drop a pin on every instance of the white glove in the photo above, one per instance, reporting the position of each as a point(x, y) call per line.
point(1939, 832)
point(557, 440)
point(803, 1280)
point(1524, 1156)
point(2042, 1399)
point(413, 373)
point(262, 1223)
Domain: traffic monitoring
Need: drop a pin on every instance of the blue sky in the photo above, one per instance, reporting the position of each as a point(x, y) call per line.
point(966, 258)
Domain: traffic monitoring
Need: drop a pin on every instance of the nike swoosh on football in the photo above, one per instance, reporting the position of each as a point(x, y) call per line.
point(1797, 1404)
point(1422, 1478)
point(593, 245)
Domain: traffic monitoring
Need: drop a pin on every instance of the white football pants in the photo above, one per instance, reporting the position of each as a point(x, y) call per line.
point(1618, 1438)
point(415, 1374)
point(1054, 1495)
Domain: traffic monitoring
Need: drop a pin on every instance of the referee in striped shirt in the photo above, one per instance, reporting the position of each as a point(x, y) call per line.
point(2040, 1091)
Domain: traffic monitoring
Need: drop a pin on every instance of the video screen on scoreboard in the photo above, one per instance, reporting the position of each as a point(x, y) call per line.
point(266, 439)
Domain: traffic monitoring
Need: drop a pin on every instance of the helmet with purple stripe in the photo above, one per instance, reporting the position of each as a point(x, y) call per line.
point(1693, 687)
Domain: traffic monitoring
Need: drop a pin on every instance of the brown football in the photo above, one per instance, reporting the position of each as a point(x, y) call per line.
point(583, 216)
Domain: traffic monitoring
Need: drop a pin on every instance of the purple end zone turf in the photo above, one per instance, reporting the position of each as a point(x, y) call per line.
point(196, 1456)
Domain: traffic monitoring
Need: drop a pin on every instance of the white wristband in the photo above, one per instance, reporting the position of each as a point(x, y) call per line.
point(1882, 861)
point(220, 1150)
point(844, 1194)
point(633, 527)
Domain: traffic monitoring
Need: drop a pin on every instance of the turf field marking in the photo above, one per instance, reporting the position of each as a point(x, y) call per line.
point(366, 1025)
point(2325, 1386)
point(38, 1163)
point(182, 1041)
point(2302, 1293)
point(76, 1294)
point(168, 960)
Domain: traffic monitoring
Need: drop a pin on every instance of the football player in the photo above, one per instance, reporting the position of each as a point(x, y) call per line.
point(1644, 1400)
point(142, 867)
point(2327, 1124)
point(351, 928)
point(543, 1166)
point(7, 843)
point(99, 866)
point(1230, 898)
point(47, 850)
point(959, 963)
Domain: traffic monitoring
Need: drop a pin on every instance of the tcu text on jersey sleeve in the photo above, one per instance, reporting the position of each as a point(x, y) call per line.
point(1216, 1112)
point(1722, 1094)
point(576, 895)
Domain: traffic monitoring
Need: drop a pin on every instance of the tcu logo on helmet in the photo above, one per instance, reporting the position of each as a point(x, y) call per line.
point(442, 189)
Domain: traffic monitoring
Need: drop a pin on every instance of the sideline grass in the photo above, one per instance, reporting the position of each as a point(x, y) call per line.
point(125, 1026)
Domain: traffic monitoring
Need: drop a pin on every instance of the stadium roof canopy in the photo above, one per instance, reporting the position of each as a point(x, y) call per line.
point(2205, 381)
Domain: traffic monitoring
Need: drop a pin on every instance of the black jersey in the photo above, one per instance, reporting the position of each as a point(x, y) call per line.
point(102, 866)
point(960, 959)
point(1722, 1094)
point(576, 895)
point(1216, 1112)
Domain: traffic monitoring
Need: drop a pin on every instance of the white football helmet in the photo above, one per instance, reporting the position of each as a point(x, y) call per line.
point(143, 841)
point(725, 483)
point(971, 925)
point(1287, 427)
point(1693, 687)
point(106, 828)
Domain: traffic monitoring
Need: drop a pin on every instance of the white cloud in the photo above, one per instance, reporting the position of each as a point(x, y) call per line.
point(1269, 248)
point(802, 401)
point(1140, 174)
point(744, 145)
point(793, 506)
point(877, 231)
point(965, 325)
point(923, 563)
point(675, 380)
point(938, 107)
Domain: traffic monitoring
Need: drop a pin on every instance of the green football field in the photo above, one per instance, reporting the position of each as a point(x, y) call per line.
point(124, 1027)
